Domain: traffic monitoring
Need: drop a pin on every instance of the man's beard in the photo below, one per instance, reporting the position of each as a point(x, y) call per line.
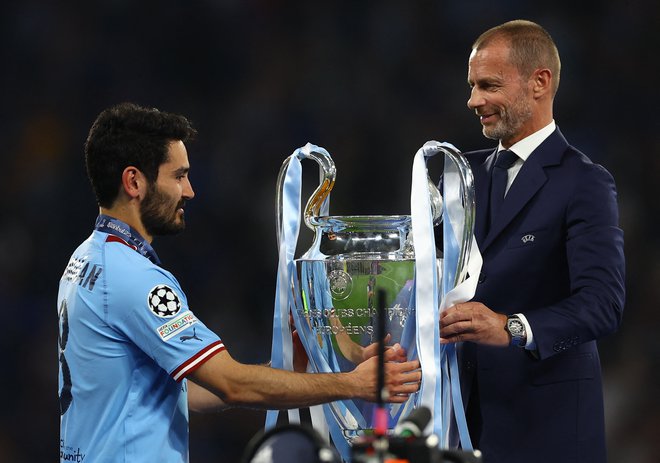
point(158, 217)
point(511, 120)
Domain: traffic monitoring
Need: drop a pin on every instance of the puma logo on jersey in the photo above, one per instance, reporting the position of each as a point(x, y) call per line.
point(193, 336)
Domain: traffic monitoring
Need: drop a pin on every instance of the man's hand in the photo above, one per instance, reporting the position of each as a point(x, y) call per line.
point(397, 354)
point(473, 321)
point(401, 378)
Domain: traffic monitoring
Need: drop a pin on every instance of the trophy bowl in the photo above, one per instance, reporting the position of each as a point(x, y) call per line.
point(352, 258)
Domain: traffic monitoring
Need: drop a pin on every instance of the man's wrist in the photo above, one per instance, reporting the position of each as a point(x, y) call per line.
point(531, 343)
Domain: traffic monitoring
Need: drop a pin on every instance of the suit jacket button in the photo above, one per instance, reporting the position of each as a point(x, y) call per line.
point(482, 277)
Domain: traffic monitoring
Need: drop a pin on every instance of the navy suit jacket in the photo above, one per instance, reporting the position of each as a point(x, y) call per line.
point(555, 254)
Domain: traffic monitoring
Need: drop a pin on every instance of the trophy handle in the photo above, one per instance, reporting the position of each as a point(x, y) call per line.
point(327, 175)
point(468, 203)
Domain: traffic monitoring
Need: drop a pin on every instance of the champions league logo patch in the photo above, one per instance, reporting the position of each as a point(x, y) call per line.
point(163, 301)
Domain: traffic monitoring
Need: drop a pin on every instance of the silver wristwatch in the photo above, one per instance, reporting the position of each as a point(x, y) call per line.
point(516, 329)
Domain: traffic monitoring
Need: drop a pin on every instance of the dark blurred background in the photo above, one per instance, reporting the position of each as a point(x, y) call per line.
point(370, 81)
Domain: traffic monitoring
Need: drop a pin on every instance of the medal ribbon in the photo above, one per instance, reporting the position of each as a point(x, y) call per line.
point(106, 224)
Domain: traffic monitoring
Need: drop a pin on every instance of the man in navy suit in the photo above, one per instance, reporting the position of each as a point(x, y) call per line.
point(552, 281)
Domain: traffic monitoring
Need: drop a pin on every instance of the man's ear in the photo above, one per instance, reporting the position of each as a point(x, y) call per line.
point(134, 183)
point(541, 82)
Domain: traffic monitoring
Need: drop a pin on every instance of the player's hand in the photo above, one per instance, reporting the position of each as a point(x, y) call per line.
point(398, 354)
point(473, 321)
point(401, 378)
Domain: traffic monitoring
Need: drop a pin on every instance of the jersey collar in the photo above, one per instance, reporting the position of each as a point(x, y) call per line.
point(115, 227)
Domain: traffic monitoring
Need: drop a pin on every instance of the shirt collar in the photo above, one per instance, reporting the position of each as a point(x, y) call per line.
point(527, 145)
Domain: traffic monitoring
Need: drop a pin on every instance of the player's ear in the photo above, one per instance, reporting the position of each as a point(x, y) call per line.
point(134, 183)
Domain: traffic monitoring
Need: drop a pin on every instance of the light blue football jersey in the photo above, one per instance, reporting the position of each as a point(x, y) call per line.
point(127, 341)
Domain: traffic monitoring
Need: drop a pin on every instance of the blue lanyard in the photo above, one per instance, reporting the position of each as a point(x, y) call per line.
point(116, 227)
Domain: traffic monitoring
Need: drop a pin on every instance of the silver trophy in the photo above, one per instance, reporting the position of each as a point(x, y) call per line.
point(352, 260)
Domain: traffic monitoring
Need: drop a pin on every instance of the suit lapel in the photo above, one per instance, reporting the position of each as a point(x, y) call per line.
point(528, 182)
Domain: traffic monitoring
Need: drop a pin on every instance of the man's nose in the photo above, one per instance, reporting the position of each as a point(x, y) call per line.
point(475, 99)
point(188, 192)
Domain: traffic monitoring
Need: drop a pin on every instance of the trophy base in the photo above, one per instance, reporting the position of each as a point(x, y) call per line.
point(355, 435)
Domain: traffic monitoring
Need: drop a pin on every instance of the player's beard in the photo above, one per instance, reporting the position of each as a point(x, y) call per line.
point(160, 213)
point(511, 120)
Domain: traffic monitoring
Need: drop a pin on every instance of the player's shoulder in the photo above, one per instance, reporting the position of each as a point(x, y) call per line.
point(126, 268)
point(88, 255)
point(132, 282)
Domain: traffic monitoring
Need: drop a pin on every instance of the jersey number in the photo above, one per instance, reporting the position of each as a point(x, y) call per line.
point(65, 392)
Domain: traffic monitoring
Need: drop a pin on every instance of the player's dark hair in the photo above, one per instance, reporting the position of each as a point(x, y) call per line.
point(130, 135)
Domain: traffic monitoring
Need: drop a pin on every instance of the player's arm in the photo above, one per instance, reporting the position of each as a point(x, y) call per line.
point(257, 386)
point(202, 400)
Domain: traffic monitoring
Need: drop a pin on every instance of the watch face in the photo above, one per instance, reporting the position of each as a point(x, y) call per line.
point(515, 327)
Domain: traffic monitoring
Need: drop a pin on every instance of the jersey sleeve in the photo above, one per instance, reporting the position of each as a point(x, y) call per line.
point(151, 310)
